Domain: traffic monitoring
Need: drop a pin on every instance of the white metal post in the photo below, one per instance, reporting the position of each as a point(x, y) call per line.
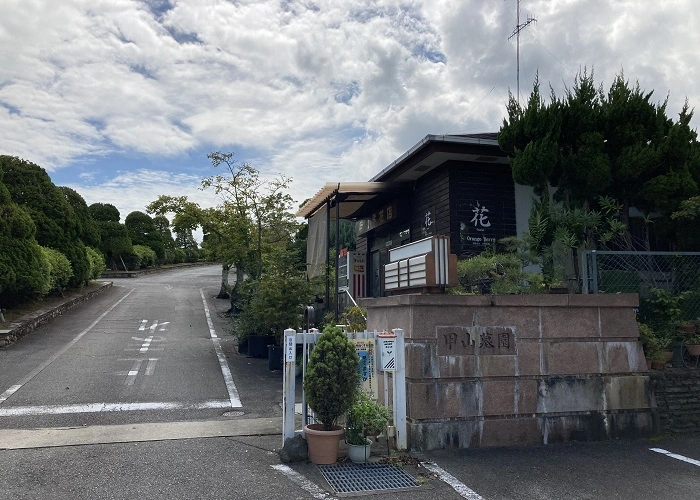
point(288, 383)
point(399, 377)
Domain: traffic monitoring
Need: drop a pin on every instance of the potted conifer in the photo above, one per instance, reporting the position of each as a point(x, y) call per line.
point(330, 383)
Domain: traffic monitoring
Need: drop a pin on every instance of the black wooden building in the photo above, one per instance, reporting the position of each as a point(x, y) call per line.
point(456, 185)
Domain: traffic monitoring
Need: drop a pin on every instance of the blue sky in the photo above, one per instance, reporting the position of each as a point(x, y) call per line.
point(123, 99)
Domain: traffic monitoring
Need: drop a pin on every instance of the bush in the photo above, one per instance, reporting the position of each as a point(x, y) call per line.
point(142, 258)
point(24, 272)
point(331, 376)
point(97, 263)
point(366, 417)
point(497, 273)
point(60, 271)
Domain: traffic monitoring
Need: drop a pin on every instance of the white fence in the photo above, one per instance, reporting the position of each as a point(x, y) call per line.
point(389, 359)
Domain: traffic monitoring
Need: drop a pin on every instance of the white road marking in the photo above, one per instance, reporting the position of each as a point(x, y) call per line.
point(151, 366)
point(311, 488)
point(143, 325)
point(676, 456)
point(146, 344)
point(60, 352)
point(456, 484)
point(131, 377)
point(21, 411)
point(225, 370)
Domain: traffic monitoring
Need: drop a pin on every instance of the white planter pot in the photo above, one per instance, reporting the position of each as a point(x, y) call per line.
point(358, 453)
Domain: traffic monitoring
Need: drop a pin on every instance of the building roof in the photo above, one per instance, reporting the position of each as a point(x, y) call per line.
point(359, 199)
point(356, 199)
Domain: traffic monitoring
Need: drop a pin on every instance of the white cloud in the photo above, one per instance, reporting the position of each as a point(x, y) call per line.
point(321, 90)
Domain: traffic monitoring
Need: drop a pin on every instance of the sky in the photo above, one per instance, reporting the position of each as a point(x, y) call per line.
point(122, 100)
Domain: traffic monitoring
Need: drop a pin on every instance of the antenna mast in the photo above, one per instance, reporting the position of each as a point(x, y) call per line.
point(516, 33)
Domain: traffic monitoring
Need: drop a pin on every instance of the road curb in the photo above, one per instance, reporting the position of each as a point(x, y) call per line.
point(29, 323)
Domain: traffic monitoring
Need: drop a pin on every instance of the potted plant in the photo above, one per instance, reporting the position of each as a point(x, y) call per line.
point(366, 417)
point(330, 383)
point(692, 345)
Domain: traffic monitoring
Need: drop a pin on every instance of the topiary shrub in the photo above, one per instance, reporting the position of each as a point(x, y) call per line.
point(332, 376)
point(97, 263)
point(60, 271)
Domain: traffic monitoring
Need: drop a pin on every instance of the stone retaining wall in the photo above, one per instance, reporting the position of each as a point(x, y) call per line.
point(519, 369)
point(28, 324)
point(678, 400)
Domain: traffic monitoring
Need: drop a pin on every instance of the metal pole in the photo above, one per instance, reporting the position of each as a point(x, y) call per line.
point(337, 252)
point(326, 303)
point(594, 270)
point(584, 271)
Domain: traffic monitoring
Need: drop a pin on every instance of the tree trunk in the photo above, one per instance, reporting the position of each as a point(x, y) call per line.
point(240, 276)
point(224, 291)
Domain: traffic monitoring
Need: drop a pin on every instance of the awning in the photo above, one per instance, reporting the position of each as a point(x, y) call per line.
point(357, 199)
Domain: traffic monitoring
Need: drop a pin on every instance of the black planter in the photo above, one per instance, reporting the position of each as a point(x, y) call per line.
point(257, 345)
point(274, 357)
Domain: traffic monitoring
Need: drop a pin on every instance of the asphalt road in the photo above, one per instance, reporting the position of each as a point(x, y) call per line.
point(140, 393)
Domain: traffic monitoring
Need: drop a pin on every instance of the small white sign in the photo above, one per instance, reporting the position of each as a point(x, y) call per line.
point(290, 351)
point(387, 347)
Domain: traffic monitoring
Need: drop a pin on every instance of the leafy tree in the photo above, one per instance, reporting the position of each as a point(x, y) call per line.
point(142, 231)
point(162, 225)
point(57, 225)
point(104, 212)
point(88, 232)
point(23, 269)
point(601, 154)
point(115, 243)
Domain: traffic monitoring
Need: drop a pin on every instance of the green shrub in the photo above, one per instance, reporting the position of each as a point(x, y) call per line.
point(97, 263)
point(365, 417)
point(272, 303)
point(60, 271)
point(500, 273)
point(24, 272)
point(142, 258)
point(331, 376)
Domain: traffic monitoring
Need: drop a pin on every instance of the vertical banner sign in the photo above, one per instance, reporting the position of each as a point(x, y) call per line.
point(365, 349)
point(387, 352)
point(290, 349)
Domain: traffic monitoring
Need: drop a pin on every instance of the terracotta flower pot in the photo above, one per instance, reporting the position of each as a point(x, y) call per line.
point(323, 445)
point(693, 349)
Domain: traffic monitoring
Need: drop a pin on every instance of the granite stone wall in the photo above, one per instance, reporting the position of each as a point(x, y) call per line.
point(678, 399)
point(519, 369)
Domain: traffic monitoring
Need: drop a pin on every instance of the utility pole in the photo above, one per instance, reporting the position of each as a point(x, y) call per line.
point(516, 33)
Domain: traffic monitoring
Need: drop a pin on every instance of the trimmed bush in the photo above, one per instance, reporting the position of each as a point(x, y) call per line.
point(145, 257)
point(97, 263)
point(332, 376)
point(60, 271)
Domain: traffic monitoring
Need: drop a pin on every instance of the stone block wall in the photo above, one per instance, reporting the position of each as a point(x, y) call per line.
point(678, 399)
point(519, 369)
